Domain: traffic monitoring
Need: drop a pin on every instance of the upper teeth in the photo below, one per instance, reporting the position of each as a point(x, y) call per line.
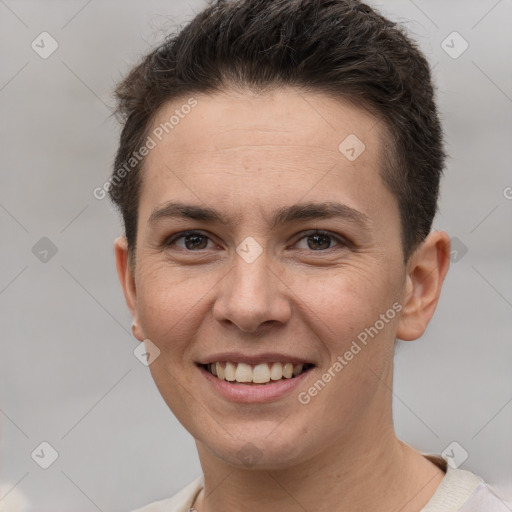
point(259, 373)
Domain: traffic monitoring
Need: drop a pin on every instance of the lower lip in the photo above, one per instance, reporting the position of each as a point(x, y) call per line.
point(254, 393)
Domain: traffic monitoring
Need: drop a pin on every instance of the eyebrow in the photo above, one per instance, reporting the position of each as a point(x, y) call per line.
point(281, 216)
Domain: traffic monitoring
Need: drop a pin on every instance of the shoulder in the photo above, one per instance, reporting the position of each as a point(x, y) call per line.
point(484, 498)
point(463, 491)
point(180, 502)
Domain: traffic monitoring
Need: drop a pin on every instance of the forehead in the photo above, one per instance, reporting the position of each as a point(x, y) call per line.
point(285, 116)
point(284, 143)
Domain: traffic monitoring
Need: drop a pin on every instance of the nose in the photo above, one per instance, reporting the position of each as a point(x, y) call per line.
point(252, 296)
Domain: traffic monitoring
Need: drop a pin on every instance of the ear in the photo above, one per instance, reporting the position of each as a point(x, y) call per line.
point(127, 280)
point(426, 271)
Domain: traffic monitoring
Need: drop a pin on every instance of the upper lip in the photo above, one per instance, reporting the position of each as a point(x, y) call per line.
point(266, 357)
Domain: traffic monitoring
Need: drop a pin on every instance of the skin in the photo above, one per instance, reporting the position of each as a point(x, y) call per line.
point(246, 155)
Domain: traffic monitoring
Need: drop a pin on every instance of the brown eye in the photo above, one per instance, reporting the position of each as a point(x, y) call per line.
point(195, 242)
point(321, 241)
point(192, 241)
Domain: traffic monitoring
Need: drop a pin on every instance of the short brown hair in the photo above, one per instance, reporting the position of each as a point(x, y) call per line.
point(343, 48)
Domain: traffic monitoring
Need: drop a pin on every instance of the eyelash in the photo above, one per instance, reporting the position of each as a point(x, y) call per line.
point(342, 242)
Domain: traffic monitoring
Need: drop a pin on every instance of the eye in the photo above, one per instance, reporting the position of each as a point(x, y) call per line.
point(317, 241)
point(192, 241)
point(322, 240)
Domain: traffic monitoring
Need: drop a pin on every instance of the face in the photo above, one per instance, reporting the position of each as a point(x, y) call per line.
point(263, 237)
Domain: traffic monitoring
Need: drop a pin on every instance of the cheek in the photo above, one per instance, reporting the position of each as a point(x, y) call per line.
point(345, 314)
point(345, 302)
point(170, 303)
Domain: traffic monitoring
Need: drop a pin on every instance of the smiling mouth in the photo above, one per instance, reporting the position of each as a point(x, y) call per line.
point(255, 374)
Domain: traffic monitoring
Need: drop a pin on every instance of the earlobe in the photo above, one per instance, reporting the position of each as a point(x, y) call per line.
point(127, 280)
point(136, 331)
point(426, 271)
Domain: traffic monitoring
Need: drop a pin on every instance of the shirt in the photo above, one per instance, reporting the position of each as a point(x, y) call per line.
point(459, 491)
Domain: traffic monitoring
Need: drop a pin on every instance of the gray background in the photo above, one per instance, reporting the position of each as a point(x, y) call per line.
point(68, 373)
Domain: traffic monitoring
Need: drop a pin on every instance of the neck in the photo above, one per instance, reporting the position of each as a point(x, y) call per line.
point(371, 470)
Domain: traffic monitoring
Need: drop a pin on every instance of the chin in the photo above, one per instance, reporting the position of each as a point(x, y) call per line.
point(259, 449)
